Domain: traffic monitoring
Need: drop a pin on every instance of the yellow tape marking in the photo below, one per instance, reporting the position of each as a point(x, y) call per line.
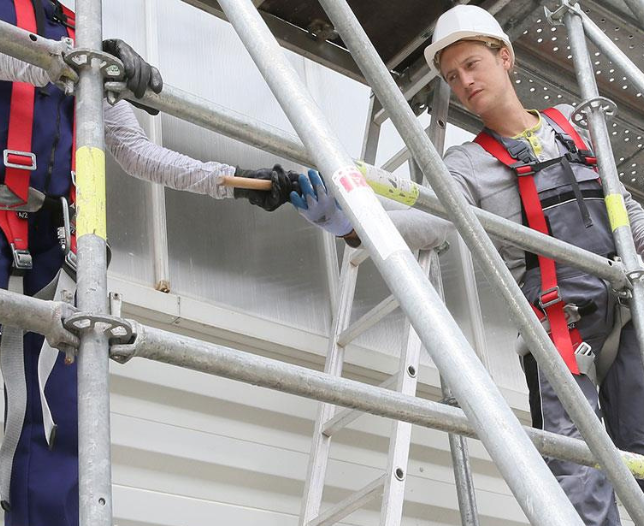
point(90, 192)
point(406, 194)
point(617, 214)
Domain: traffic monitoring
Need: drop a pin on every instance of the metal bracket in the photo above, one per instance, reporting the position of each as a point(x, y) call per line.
point(120, 330)
point(580, 115)
point(556, 17)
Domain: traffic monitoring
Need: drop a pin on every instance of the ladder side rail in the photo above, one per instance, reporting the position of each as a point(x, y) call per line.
point(400, 437)
point(596, 121)
point(321, 443)
point(524, 470)
point(457, 444)
point(95, 477)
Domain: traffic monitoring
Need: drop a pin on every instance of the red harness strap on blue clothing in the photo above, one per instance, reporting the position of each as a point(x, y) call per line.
point(565, 339)
point(18, 152)
point(15, 225)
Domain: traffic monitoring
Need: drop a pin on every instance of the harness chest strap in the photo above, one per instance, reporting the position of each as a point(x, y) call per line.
point(550, 300)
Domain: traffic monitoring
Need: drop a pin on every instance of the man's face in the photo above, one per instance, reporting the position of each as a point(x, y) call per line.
point(477, 75)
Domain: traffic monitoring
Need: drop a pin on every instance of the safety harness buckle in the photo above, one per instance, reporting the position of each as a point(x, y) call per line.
point(549, 297)
point(19, 160)
point(521, 169)
point(21, 258)
point(584, 349)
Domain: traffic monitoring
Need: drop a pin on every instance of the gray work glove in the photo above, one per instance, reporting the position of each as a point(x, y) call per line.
point(139, 75)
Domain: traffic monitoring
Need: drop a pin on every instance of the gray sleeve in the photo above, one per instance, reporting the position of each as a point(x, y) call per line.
point(14, 70)
point(143, 159)
point(421, 230)
point(636, 218)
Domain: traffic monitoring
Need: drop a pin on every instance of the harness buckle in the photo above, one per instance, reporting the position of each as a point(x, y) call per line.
point(522, 169)
point(16, 158)
point(549, 297)
point(21, 258)
point(584, 349)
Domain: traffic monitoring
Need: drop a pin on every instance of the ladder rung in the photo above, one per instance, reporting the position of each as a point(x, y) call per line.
point(353, 502)
point(358, 257)
point(386, 306)
point(343, 418)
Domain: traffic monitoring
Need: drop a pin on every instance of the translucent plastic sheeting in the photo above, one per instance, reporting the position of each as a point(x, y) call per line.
point(127, 204)
point(267, 264)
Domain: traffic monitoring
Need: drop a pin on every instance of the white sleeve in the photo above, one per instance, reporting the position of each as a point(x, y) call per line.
point(14, 70)
point(143, 159)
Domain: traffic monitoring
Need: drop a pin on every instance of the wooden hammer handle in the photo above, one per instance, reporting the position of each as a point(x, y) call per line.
point(249, 184)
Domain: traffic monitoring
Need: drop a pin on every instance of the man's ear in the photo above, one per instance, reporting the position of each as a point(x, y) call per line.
point(506, 58)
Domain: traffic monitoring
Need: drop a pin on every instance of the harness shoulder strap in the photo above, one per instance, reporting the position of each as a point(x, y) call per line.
point(561, 121)
point(550, 300)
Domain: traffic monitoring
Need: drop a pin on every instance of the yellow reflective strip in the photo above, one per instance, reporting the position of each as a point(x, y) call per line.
point(407, 196)
point(90, 192)
point(617, 214)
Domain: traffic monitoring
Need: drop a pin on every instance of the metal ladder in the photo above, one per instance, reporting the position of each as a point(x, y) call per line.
point(391, 484)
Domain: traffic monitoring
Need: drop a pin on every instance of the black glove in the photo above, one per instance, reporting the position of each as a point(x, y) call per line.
point(283, 184)
point(139, 75)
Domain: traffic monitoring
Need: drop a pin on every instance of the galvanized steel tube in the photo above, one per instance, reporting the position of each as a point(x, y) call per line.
point(522, 467)
point(470, 229)
point(637, 7)
point(95, 478)
point(607, 168)
point(612, 51)
point(174, 349)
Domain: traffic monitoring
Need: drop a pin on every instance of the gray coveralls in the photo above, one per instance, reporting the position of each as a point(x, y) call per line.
point(493, 187)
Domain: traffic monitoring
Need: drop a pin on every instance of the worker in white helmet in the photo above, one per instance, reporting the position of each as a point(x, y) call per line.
point(536, 168)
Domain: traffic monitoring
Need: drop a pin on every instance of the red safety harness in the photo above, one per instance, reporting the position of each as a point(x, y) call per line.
point(18, 157)
point(550, 305)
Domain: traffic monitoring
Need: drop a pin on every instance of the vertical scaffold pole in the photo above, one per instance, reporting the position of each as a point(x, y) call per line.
point(534, 486)
point(617, 212)
point(95, 481)
point(542, 348)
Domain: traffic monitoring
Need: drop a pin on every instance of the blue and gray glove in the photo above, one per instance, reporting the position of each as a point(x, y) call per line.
point(318, 207)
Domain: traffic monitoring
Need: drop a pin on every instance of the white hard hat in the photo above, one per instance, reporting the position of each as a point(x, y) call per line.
point(464, 22)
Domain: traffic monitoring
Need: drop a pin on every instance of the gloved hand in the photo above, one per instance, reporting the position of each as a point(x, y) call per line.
point(283, 184)
point(139, 75)
point(318, 207)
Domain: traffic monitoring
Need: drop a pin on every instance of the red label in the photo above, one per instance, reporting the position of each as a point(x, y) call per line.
point(352, 179)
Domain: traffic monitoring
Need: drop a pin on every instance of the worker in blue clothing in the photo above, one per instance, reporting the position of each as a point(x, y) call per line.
point(39, 464)
point(534, 167)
